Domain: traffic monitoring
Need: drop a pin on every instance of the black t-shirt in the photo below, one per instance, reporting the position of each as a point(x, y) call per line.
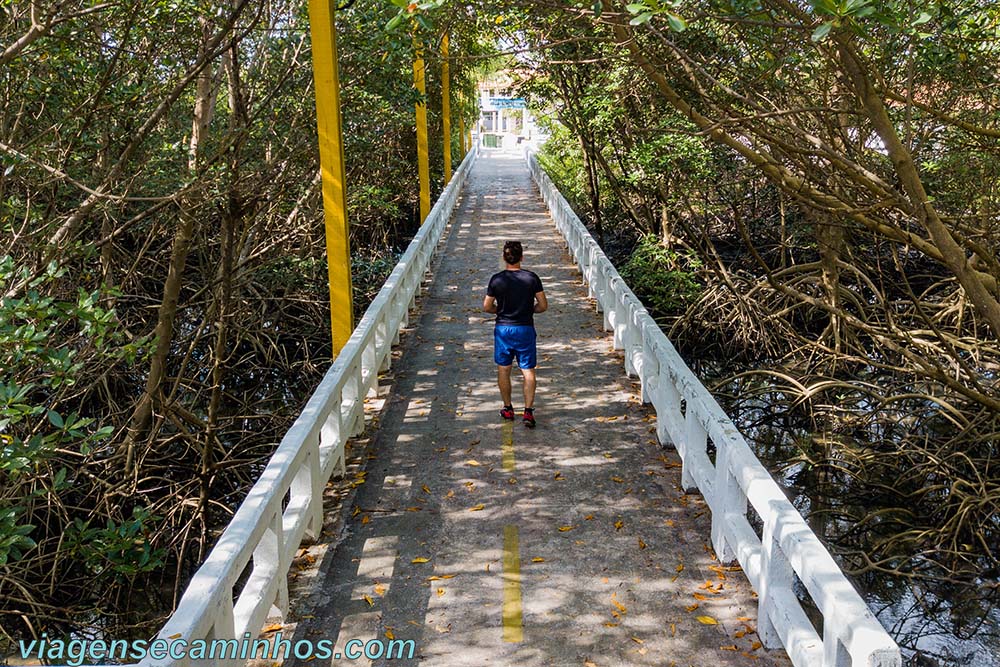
point(515, 294)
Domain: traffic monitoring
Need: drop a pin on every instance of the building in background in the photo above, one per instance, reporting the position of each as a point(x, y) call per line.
point(504, 120)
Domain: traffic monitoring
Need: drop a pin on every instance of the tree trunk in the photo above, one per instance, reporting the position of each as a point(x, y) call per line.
point(593, 188)
point(167, 312)
point(952, 254)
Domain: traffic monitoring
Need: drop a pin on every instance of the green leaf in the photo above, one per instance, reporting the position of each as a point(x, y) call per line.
point(677, 23)
point(56, 420)
point(922, 19)
point(641, 18)
point(821, 31)
point(394, 22)
point(636, 8)
point(598, 8)
point(825, 7)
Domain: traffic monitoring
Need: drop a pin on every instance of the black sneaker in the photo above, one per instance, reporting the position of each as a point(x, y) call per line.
point(529, 417)
point(507, 412)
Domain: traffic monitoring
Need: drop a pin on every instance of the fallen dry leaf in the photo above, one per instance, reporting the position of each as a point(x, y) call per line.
point(707, 620)
point(478, 507)
point(537, 560)
point(389, 634)
point(271, 628)
point(368, 599)
point(563, 529)
point(420, 559)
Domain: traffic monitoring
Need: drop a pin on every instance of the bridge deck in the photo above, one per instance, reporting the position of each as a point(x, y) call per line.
point(568, 545)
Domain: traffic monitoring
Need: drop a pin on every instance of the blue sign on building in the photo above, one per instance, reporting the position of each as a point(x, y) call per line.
point(507, 102)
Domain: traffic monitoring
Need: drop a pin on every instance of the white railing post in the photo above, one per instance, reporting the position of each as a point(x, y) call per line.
point(649, 371)
point(776, 577)
point(330, 441)
point(383, 345)
point(633, 340)
point(369, 368)
point(695, 440)
point(669, 418)
point(834, 652)
point(729, 500)
point(308, 484)
point(273, 544)
point(618, 315)
point(353, 396)
point(223, 626)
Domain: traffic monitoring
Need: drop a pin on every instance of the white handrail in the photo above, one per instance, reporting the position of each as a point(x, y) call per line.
point(852, 636)
point(262, 533)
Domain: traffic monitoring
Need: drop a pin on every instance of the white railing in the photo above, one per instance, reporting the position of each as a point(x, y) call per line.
point(687, 418)
point(285, 505)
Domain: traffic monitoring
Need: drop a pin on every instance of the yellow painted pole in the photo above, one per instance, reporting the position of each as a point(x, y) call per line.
point(423, 165)
point(323, 32)
point(461, 135)
point(446, 108)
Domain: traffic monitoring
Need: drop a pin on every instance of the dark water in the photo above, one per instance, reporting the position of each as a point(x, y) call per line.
point(934, 622)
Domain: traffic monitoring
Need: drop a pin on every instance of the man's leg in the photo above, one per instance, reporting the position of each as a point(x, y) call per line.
point(503, 381)
point(529, 386)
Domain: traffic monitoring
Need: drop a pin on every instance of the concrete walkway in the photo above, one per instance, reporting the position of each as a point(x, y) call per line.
point(493, 544)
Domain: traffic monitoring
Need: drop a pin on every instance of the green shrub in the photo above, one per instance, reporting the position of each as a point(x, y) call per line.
point(662, 278)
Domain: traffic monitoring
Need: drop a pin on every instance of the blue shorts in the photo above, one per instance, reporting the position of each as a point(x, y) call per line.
point(514, 341)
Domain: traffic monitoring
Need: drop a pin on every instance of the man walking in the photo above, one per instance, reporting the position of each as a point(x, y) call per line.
point(515, 295)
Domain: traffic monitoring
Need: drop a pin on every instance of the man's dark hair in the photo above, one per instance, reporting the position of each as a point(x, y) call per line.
point(512, 252)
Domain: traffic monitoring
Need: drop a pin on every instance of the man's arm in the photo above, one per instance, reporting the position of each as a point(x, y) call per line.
point(541, 303)
point(490, 304)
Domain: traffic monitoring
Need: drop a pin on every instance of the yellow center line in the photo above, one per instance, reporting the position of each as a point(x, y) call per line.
point(513, 622)
point(507, 446)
